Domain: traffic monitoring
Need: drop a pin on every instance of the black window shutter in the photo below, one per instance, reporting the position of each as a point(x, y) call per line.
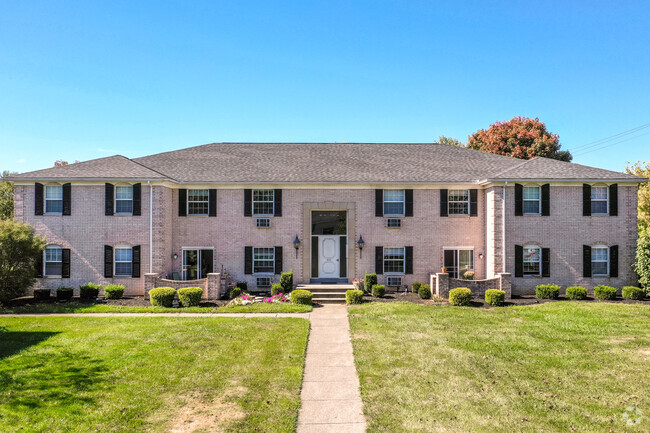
point(137, 199)
point(38, 266)
point(546, 262)
point(408, 202)
point(408, 260)
point(586, 261)
point(248, 203)
point(277, 203)
point(379, 260)
point(613, 200)
point(108, 199)
point(343, 255)
point(135, 261)
point(278, 260)
point(248, 260)
point(212, 202)
point(379, 202)
point(182, 202)
point(519, 261)
point(613, 261)
point(65, 262)
point(586, 204)
point(444, 211)
point(546, 199)
point(519, 199)
point(38, 202)
point(67, 199)
point(473, 202)
point(108, 261)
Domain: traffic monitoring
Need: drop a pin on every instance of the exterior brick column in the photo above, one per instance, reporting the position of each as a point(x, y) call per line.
point(442, 285)
point(505, 282)
point(214, 286)
point(150, 281)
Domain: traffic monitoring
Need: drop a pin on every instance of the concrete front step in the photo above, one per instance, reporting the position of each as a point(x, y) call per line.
point(340, 295)
point(329, 300)
point(327, 293)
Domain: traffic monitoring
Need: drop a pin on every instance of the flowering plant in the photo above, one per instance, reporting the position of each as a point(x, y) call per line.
point(468, 275)
point(276, 299)
point(243, 299)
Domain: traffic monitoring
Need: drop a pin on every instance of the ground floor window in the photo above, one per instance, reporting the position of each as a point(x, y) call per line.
point(123, 261)
point(394, 259)
point(532, 260)
point(53, 261)
point(263, 260)
point(197, 263)
point(600, 261)
point(458, 261)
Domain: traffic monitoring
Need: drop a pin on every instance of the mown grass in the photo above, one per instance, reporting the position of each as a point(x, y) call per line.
point(262, 307)
point(562, 366)
point(79, 307)
point(156, 374)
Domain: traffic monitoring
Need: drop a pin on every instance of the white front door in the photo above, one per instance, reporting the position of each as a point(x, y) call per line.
point(328, 257)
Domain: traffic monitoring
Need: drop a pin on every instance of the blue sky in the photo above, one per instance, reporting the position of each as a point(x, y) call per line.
point(82, 80)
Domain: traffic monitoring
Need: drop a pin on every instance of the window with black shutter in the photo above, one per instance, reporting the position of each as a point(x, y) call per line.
point(379, 202)
point(546, 199)
point(408, 211)
point(519, 261)
point(586, 261)
point(473, 202)
point(546, 262)
point(277, 203)
point(67, 199)
point(108, 199)
point(108, 261)
point(135, 261)
point(379, 260)
point(248, 260)
point(444, 203)
point(278, 260)
point(248, 204)
point(519, 199)
point(38, 200)
point(65, 262)
point(212, 202)
point(408, 266)
point(182, 202)
point(613, 200)
point(586, 201)
point(613, 261)
point(137, 199)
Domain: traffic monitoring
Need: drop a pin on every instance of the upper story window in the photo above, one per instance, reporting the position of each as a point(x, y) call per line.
point(124, 199)
point(532, 260)
point(531, 198)
point(600, 260)
point(394, 259)
point(53, 261)
point(198, 201)
point(394, 202)
point(263, 202)
point(123, 261)
point(599, 200)
point(263, 260)
point(53, 199)
point(458, 200)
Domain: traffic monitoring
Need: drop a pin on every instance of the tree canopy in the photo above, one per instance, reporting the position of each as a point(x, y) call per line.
point(19, 251)
point(642, 169)
point(6, 197)
point(520, 137)
point(448, 140)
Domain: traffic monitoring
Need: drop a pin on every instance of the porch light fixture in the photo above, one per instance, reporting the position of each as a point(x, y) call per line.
point(174, 256)
point(360, 243)
point(296, 245)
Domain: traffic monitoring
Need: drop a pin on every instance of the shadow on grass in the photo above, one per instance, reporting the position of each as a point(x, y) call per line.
point(12, 343)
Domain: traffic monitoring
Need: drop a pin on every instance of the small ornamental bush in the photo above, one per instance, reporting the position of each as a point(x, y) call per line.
point(631, 292)
point(415, 287)
point(303, 297)
point(605, 293)
point(369, 281)
point(460, 296)
point(190, 296)
point(162, 296)
point(425, 291)
point(378, 290)
point(353, 297)
point(276, 288)
point(234, 292)
point(243, 285)
point(286, 281)
point(41, 294)
point(576, 292)
point(113, 291)
point(495, 297)
point(547, 291)
point(64, 293)
point(89, 291)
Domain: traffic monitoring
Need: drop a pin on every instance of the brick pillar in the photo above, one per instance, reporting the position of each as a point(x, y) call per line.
point(505, 284)
point(442, 285)
point(214, 286)
point(150, 281)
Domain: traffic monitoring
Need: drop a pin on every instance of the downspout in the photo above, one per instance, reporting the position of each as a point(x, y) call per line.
point(503, 227)
point(150, 226)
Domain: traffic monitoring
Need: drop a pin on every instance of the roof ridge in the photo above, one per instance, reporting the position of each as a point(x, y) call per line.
point(149, 168)
point(525, 161)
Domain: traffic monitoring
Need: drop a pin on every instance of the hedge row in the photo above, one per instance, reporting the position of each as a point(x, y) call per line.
point(607, 293)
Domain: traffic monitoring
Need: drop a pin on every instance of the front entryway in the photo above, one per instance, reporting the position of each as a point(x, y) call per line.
point(197, 263)
point(328, 245)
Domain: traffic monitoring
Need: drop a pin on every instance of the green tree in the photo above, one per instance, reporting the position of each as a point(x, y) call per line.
point(448, 140)
point(642, 263)
point(6, 197)
point(519, 137)
point(20, 248)
point(642, 169)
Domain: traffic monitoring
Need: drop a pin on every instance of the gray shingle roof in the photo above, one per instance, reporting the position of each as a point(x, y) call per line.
point(359, 163)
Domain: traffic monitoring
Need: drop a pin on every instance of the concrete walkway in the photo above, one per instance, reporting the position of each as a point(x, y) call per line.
point(331, 401)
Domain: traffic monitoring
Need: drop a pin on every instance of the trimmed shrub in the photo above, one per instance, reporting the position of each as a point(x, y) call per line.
point(547, 291)
point(353, 297)
point(286, 281)
point(243, 285)
point(276, 288)
point(64, 293)
point(378, 290)
point(605, 293)
point(113, 291)
point(41, 294)
point(460, 296)
point(89, 291)
point(162, 296)
point(495, 297)
point(190, 296)
point(369, 281)
point(303, 297)
point(576, 292)
point(425, 291)
point(234, 292)
point(415, 287)
point(631, 292)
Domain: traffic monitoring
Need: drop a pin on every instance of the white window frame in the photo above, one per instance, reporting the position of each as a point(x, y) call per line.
point(206, 201)
point(263, 223)
point(539, 261)
point(46, 199)
point(538, 199)
point(403, 260)
point(599, 247)
point(46, 261)
point(394, 201)
point(118, 187)
point(115, 261)
point(449, 201)
point(593, 187)
point(396, 277)
point(266, 201)
point(272, 260)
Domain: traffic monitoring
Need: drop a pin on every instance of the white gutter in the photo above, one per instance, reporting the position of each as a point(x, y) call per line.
point(503, 227)
point(150, 226)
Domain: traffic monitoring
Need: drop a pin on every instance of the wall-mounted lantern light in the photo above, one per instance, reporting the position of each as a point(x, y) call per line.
point(174, 256)
point(360, 244)
point(296, 245)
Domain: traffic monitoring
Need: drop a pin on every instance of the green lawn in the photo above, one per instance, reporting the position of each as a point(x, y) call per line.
point(80, 307)
point(261, 307)
point(156, 374)
point(553, 367)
